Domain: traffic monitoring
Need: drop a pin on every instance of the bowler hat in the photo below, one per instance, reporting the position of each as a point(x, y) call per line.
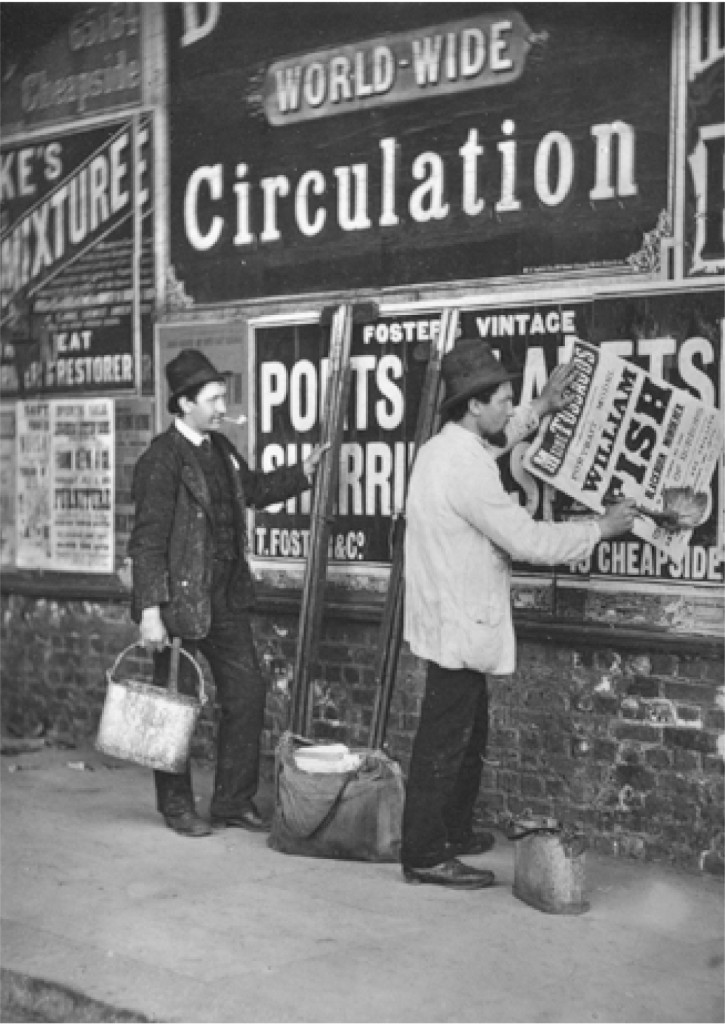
point(469, 368)
point(191, 369)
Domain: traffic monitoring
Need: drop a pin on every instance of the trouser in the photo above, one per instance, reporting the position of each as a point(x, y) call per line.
point(240, 694)
point(446, 765)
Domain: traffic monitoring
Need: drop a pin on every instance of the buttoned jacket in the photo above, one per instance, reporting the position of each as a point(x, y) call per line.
point(463, 530)
point(172, 542)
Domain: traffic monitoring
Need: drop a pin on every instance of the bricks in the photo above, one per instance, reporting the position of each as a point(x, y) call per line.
point(713, 765)
point(686, 760)
point(644, 686)
point(689, 692)
point(691, 739)
point(636, 777)
point(647, 779)
point(663, 664)
point(715, 720)
point(703, 670)
point(629, 731)
point(532, 785)
point(658, 758)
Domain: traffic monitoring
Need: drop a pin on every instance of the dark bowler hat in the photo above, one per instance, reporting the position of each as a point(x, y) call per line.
point(190, 369)
point(469, 368)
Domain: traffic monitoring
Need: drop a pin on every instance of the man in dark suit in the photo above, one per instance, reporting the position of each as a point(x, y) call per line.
point(191, 579)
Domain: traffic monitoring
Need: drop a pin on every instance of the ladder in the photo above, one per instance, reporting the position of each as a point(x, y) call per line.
point(391, 629)
point(324, 493)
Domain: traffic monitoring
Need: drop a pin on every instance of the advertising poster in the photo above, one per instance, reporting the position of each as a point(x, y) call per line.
point(134, 430)
point(65, 485)
point(83, 479)
point(68, 292)
point(626, 435)
point(677, 341)
point(7, 485)
point(33, 485)
point(388, 361)
point(385, 146)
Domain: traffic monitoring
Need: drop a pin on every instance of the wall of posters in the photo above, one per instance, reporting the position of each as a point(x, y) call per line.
point(678, 339)
point(672, 339)
point(64, 510)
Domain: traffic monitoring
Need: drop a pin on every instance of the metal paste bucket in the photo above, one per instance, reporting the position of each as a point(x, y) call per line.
point(146, 724)
point(549, 865)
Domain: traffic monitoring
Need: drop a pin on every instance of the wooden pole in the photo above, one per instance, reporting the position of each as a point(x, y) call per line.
point(391, 629)
point(324, 494)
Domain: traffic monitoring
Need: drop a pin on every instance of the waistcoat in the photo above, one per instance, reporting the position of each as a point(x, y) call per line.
point(222, 501)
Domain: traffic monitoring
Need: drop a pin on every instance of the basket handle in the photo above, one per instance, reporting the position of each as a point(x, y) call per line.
point(176, 650)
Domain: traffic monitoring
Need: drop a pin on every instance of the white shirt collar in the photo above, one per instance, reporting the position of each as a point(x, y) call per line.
point(189, 433)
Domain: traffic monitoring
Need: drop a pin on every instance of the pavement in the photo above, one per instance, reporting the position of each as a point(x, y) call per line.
point(97, 895)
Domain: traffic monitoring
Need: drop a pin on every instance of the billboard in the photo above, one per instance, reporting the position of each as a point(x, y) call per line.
point(384, 145)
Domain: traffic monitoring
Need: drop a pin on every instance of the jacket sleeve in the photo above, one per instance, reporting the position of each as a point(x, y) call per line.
point(486, 506)
point(262, 489)
point(155, 489)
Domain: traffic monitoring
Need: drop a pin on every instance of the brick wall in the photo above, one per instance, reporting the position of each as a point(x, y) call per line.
point(627, 745)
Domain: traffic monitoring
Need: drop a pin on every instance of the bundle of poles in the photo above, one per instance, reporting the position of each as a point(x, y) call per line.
point(325, 489)
point(391, 630)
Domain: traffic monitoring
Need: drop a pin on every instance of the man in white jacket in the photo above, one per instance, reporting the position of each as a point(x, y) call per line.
point(463, 530)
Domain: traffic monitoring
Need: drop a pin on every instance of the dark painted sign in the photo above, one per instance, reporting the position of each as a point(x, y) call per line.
point(455, 57)
point(388, 364)
point(62, 66)
point(564, 167)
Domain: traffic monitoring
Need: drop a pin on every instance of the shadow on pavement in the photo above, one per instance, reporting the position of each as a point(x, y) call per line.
point(31, 999)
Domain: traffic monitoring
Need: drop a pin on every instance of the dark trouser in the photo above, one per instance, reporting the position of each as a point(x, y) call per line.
point(240, 693)
point(446, 765)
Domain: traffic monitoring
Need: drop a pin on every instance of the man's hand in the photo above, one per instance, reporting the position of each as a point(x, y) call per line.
point(310, 463)
point(153, 631)
point(618, 518)
point(554, 397)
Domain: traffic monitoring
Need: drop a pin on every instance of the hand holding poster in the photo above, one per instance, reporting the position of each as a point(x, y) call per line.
point(626, 434)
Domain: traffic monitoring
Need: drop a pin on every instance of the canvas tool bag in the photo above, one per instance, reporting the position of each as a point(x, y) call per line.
point(147, 724)
point(350, 815)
